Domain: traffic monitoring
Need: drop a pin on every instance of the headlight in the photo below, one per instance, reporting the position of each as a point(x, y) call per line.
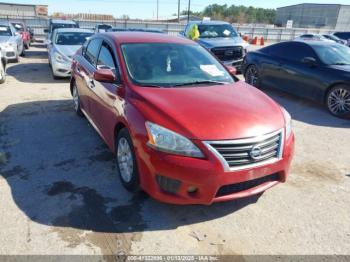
point(60, 58)
point(288, 122)
point(7, 45)
point(166, 140)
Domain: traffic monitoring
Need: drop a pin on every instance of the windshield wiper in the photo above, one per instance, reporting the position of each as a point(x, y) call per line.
point(150, 85)
point(200, 83)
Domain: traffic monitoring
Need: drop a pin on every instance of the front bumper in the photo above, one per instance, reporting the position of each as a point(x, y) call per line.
point(61, 69)
point(236, 63)
point(9, 53)
point(207, 176)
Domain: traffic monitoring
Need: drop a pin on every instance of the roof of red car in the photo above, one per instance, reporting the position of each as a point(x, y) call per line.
point(141, 37)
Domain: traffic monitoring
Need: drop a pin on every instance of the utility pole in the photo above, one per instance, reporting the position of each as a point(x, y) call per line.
point(189, 10)
point(178, 11)
point(157, 10)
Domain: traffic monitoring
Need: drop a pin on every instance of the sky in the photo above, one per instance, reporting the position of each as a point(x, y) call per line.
point(148, 8)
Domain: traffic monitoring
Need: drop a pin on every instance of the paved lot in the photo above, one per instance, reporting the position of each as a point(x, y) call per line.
point(60, 193)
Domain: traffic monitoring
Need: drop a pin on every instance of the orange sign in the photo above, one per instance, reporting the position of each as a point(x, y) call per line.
point(41, 10)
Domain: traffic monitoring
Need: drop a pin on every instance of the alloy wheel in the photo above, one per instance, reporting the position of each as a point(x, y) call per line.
point(125, 160)
point(339, 101)
point(252, 76)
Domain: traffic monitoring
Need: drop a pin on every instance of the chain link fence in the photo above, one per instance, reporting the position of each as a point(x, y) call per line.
point(38, 24)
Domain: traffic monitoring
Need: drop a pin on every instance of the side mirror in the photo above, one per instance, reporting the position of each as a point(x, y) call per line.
point(105, 75)
point(46, 31)
point(232, 70)
point(310, 61)
point(48, 42)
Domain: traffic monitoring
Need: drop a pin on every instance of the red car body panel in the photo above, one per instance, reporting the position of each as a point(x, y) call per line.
point(223, 112)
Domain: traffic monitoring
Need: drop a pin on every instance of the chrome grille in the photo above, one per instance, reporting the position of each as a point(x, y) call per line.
point(242, 153)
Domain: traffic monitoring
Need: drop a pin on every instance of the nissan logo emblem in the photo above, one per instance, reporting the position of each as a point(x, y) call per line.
point(255, 153)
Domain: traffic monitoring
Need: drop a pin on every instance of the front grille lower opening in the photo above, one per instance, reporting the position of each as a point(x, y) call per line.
point(239, 187)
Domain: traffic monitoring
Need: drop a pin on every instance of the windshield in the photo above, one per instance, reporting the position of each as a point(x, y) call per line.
point(333, 54)
point(212, 31)
point(18, 27)
point(5, 31)
point(72, 38)
point(344, 35)
point(55, 26)
point(169, 65)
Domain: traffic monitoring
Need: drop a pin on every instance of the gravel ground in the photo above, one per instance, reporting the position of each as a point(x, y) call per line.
point(60, 193)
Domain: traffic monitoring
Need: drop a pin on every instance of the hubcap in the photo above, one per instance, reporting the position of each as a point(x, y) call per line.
point(125, 160)
point(339, 101)
point(252, 76)
point(75, 98)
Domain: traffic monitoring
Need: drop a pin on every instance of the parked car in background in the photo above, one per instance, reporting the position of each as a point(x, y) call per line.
point(145, 30)
point(315, 70)
point(182, 127)
point(22, 29)
point(344, 36)
point(65, 43)
point(335, 39)
point(59, 23)
point(102, 28)
point(31, 32)
point(312, 37)
point(11, 42)
point(3, 63)
point(221, 39)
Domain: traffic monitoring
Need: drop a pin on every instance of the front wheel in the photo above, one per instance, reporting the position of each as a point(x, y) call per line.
point(76, 101)
point(252, 76)
point(338, 101)
point(126, 161)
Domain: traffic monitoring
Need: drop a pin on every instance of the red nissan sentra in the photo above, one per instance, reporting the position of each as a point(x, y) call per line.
point(182, 127)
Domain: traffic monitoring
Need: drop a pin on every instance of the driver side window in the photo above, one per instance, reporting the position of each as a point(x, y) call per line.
point(106, 58)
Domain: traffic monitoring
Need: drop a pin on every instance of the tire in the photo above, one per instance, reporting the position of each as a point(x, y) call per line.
point(22, 53)
point(126, 161)
point(252, 76)
point(76, 101)
point(2, 73)
point(338, 101)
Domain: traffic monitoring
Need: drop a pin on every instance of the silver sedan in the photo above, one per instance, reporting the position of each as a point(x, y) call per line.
point(64, 43)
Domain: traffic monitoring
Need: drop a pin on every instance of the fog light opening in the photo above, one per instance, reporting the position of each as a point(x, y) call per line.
point(192, 190)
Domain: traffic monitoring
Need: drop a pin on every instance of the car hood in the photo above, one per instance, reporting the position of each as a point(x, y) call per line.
point(212, 112)
point(4, 39)
point(221, 41)
point(67, 50)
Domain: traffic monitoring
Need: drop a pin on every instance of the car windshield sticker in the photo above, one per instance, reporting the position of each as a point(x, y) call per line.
point(212, 70)
point(3, 28)
point(227, 32)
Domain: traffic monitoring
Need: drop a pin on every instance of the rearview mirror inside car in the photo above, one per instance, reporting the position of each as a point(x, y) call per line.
point(310, 61)
point(105, 75)
point(231, 69)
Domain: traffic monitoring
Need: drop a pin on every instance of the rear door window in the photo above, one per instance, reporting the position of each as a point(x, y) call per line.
point(292, 51)
point(92, 51)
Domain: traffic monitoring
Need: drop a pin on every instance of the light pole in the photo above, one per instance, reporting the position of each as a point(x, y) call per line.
point(189, 10)
point(157, 9)
point(178, 11)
